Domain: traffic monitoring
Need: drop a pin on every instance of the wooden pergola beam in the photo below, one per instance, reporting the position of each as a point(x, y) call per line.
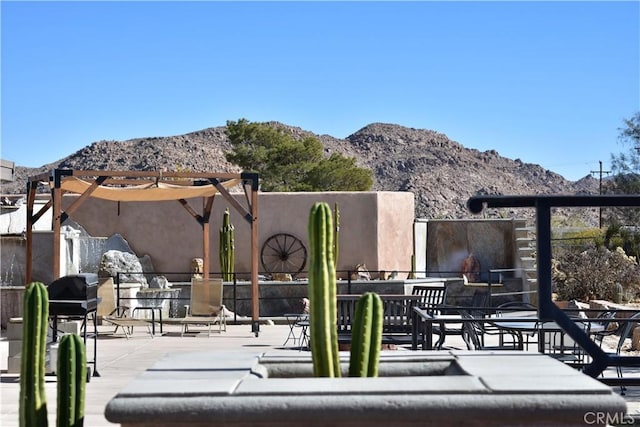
point(123, 178)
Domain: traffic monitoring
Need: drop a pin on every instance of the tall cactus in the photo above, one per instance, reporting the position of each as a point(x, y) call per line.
point(33, 399)
point(227, 247)
point(336, 234)
point(72, 376)
point(366, 336)
point(322, 290)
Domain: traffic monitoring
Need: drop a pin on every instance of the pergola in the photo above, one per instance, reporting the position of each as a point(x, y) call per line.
point(146, 186)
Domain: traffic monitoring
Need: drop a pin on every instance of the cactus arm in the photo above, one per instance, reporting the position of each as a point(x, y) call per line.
point(376, 336)
point(72, 374)
point(33, 398)
point(360, 338)
point(232, 251)
point(322, 289)
point(366, 336)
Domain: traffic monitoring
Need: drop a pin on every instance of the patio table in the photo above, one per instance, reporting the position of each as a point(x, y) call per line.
point(296, 320)
point(522, 322)
point(532, 325)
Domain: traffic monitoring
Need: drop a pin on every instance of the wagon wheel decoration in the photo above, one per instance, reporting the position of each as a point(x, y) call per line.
point(283, 253)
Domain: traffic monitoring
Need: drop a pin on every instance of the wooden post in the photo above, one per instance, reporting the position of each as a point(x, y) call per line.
point(255, 289)
point(57, 222)
point(205, 241)
point(31, 196)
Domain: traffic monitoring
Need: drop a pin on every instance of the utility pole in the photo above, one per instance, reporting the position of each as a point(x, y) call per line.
point(600, 172)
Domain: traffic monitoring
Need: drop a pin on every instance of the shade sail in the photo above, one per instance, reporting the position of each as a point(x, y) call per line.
point(151, 192)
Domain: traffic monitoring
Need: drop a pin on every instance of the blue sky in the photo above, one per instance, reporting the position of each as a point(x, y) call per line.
point(546, 82)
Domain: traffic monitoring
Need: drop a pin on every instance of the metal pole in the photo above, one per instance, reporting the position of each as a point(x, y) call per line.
point(600, 172)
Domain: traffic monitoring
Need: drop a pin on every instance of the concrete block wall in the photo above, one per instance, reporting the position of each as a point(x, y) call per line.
point(14, 340)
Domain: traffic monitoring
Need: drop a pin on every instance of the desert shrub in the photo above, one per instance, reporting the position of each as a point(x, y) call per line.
point(594, 274)
point(585, 238)
point(628, 238)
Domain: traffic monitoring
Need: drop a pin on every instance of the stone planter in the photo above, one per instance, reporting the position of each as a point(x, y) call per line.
point(415, 389)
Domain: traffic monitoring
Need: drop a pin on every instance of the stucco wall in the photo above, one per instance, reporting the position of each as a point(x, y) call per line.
point(376, 228)
point(395, 241)
point(13, 220)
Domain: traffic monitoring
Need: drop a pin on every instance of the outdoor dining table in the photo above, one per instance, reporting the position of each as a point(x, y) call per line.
point(528, 323)
point(423, 324)
point(520, 322)
point(427, 321)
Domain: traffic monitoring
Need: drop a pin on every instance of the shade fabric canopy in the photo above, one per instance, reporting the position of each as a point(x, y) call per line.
point(145, 186)
point(149, 192)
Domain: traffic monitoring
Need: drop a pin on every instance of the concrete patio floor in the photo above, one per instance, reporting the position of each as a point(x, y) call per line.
point(121, 359)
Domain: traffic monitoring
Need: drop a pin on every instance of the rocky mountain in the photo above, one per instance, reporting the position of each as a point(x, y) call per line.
point(441, 173)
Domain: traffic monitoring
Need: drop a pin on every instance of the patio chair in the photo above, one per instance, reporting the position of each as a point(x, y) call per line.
point(561, 347)
point(479, 300)
point(509, 309)
point(117, 315)
point(474, 330)
point(205, 308)
point(625, 332)
point(431, 297)
point(606, 327)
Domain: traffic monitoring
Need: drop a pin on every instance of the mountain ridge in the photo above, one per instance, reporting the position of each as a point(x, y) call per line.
point(442, 173)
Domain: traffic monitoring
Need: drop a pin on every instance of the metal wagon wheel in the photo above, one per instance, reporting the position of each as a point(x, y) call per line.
point(283, 253)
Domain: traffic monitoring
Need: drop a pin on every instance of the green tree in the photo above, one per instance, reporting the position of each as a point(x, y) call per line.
point(285, 163)
point(338, 173)
point(628, 163)
point(626, 172)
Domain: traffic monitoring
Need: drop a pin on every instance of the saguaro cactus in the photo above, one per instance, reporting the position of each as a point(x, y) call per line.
point(227, 247)
point(322, 290)
point(366, 336)
point(72, 377)
point(33, 399)
point(336, 234)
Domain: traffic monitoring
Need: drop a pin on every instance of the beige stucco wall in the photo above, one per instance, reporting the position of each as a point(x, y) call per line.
point(395, 238)
point(376, 228)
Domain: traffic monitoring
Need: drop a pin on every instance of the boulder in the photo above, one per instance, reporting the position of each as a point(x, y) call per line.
point(125, 263)
point(118, 243)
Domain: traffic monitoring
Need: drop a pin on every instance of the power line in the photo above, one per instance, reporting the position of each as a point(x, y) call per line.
point(600, 172)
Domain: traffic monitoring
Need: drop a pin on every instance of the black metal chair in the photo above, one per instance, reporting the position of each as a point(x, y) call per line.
point(506, 309)
point(432, 298)
point(479, 302)
point(625, 332)
point(607, 327)
point(474, 330)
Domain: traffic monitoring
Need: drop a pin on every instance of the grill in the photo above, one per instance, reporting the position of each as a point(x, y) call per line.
point(75, 295)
